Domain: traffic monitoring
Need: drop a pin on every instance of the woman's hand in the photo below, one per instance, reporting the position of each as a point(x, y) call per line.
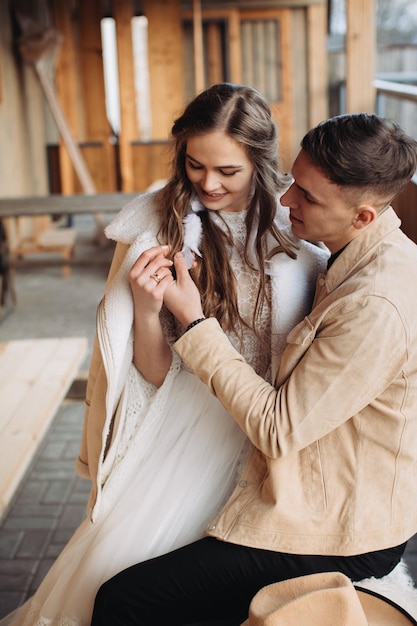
point(149, 278)
point(182, 297)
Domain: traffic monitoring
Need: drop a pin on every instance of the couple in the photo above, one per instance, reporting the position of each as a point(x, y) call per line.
point(315, 471)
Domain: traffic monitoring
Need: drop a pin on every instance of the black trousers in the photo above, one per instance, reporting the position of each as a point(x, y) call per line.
point(214, 581)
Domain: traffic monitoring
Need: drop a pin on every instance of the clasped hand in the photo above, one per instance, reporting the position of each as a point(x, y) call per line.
point(152, 284)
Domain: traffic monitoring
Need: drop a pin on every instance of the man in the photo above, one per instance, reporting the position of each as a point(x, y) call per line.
point(330, 485)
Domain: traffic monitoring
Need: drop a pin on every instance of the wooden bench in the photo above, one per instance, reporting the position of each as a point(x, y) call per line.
point(38, 235)
point(35, 375)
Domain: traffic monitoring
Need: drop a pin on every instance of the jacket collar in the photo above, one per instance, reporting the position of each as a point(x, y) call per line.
point(361, 247)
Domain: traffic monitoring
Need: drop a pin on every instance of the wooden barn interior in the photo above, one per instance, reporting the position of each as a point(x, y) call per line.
point(65, 63)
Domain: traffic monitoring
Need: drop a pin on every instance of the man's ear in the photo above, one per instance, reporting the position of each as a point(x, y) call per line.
point(365, 215)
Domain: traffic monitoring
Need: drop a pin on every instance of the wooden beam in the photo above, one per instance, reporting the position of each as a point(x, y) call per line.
point(123, 13)
point(199, 81)
point(68, 88)
point(214, 54)
point(64, 205)
point(165, 54)
point(235, 50)
point(317, 64)
point(94, 96)
point(360, 56)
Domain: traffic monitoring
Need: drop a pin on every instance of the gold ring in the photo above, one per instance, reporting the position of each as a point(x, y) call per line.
point(156, 277)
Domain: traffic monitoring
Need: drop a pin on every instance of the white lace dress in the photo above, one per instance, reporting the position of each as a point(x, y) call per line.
point(166, 479)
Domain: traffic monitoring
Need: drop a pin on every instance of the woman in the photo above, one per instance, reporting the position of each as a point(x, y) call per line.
point(162, 453)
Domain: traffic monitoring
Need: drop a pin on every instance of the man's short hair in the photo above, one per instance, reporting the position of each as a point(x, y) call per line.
point(365, 152)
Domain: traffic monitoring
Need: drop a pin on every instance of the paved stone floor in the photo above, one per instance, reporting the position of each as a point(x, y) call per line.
point(51, 499)
point(47, 508)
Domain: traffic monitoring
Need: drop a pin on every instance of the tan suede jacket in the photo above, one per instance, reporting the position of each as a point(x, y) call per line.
point(334, 470)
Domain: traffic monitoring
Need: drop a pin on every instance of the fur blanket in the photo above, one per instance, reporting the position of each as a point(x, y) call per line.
point(397, 586)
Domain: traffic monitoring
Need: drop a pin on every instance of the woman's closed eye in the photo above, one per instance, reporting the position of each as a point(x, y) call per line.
point(224, 172)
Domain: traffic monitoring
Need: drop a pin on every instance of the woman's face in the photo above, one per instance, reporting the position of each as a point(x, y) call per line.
point(220, 171)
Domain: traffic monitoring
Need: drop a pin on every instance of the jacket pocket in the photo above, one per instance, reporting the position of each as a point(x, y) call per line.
point(313, 477)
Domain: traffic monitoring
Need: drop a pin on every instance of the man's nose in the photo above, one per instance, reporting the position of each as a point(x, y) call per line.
point(289, 197)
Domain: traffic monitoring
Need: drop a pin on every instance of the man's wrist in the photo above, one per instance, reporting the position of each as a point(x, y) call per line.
point(194, 323)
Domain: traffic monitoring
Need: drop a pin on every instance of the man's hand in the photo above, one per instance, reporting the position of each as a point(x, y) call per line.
point(182, 297)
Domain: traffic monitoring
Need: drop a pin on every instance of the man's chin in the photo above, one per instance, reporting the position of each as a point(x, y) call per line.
point(297, 229)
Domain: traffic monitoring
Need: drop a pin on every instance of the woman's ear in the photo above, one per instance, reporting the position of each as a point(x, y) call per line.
point(365, 215)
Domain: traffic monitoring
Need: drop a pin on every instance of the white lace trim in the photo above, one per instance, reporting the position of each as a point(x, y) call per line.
point(257, 354)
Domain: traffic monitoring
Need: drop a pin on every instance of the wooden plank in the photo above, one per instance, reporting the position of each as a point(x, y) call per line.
point(94, 97)
point(299, 79)
point(360, 56)
point(282, 110)
point(231, 17)
point(35, 375)
point(317, 64)
point(235, 50)
point(165, 58)
point(100, 159)
point(122, 11)
point(68, 88)
point(61, 205)
point(198, 47)
point(92, 71)
point(151, 162)
point(214, 54)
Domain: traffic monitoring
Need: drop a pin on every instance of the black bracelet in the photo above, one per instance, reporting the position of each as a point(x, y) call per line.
point(200, 319)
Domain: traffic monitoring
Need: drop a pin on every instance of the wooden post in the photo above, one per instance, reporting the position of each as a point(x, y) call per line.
point(97, 126)
point(214, 54)
point(122, 11)
point(235, 50)
point(198, 47)
point(360, 56)
point(317, 64)
point(165, 53)
point(68, 88)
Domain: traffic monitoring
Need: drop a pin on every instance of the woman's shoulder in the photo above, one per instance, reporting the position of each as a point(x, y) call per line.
point(141, 213)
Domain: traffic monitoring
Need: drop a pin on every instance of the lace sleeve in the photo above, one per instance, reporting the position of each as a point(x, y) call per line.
point(171, 328)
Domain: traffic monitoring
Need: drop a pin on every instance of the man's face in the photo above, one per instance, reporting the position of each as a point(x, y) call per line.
point(319, 209)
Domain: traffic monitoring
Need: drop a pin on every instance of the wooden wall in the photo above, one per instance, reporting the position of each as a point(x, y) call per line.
point(236, 47)
point(405, 206)
point(23, 163)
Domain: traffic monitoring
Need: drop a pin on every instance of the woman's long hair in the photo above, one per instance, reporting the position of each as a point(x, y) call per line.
point(244, 115)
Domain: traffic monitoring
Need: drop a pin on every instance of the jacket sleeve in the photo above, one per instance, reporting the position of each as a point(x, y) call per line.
point(332, 374)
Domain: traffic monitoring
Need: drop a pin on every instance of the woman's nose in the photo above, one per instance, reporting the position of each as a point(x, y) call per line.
point(210, 181)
